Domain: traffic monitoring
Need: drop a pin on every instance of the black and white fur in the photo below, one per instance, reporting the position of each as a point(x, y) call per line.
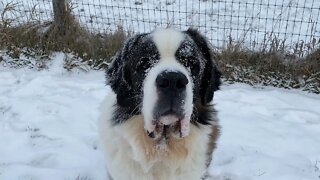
point(159, 123)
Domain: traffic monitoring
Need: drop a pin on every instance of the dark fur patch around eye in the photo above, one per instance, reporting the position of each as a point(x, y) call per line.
point(146, 62)
point(188, 56)
point(127, 73)
point(143, 64)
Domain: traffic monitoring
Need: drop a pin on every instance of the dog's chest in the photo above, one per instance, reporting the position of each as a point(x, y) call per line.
point(133, 155)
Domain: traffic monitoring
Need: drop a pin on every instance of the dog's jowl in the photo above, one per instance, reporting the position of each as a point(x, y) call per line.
point(159, 122)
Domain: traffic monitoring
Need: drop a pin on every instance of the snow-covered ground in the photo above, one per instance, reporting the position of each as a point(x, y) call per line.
point(48, 129)
point(248, 21)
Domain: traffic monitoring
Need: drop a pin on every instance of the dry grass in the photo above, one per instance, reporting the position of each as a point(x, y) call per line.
point(273, 66)
point(45, 38)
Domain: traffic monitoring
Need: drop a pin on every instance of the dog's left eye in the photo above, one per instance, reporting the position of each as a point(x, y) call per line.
point(191, 62)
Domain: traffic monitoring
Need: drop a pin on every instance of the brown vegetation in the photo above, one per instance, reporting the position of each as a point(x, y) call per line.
point(48, 37)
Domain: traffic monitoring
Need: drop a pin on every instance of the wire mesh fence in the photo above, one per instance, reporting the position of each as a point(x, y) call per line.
point(255, 24)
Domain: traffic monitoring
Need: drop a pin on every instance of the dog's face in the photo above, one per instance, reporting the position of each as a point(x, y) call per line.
point(167, 76)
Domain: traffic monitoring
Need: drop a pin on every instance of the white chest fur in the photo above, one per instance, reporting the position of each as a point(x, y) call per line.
point(131, 155)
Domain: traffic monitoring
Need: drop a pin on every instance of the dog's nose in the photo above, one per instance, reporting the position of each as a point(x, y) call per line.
point(171, 81)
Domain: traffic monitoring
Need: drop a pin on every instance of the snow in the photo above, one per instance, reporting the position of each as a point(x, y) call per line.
point(267, 134)
point(48, 124)
point(48, 128)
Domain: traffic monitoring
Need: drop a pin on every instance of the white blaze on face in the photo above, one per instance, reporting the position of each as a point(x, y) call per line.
point(167, 42)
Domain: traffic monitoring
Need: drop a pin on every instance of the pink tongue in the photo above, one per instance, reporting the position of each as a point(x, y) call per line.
point(185, 127)
point(169, 119)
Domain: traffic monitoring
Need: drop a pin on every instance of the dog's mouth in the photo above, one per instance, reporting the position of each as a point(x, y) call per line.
point(169, 126)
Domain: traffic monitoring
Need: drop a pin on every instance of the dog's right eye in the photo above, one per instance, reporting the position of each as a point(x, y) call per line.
point(143, 64)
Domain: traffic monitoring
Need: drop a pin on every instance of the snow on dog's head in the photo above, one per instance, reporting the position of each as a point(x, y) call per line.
point(169, 77)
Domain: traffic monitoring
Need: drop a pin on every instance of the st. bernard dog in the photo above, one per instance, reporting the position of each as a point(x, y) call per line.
point(158, 123)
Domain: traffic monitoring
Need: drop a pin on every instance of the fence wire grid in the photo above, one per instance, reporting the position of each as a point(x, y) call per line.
point(288, 24)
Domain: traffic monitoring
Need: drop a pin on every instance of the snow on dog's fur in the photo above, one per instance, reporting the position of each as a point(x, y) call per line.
point(159, 122)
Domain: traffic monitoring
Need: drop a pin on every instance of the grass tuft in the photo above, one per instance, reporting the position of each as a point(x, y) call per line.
point(270, 67)
point(45, 38)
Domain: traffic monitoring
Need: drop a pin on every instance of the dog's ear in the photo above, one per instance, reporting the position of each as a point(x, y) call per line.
point(210, 80)
point(118, 75)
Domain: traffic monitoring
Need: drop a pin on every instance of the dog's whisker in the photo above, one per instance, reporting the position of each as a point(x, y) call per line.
point(137, 107)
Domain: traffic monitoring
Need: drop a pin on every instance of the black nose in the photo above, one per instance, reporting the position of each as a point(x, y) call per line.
point(171, 80)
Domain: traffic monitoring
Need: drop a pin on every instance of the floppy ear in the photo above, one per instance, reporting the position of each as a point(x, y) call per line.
point(118, 76)
point(210, 80)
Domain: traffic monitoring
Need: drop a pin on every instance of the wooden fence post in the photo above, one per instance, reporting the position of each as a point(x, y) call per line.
point(60, 12)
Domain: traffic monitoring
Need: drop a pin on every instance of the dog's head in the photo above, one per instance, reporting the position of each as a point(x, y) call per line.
point(168, 76)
